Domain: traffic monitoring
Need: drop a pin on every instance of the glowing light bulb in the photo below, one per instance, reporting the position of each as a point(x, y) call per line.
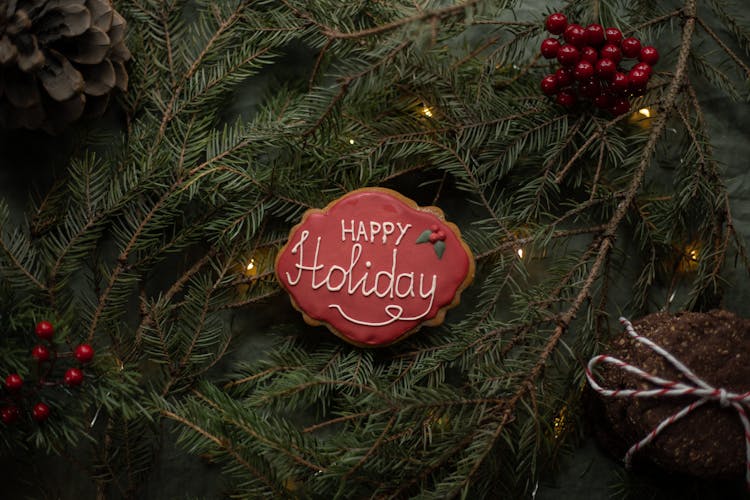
point(520, 253)
point(351, 141)
point(250, 268)
point(645, 112)
point(427, 111)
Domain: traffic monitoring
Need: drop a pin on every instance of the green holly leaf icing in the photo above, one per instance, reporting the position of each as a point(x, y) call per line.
point(424, 237)
point(439, 249)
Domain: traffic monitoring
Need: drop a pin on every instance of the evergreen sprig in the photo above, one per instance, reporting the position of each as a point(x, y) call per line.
point(140, 248)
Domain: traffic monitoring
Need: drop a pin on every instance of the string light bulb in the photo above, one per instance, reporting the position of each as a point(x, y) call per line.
point(645, 112)
point(519, 252)
point(558, 424)
point(689, 257)
point(351, 141)
point(251, 269)
point(427, 111)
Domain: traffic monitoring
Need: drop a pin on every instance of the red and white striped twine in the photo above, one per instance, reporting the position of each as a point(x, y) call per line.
point(702, 391)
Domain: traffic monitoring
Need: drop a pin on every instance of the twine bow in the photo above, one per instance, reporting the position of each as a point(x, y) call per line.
point(702, 391)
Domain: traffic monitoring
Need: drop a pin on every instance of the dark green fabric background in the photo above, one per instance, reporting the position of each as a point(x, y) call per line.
point(29, 162)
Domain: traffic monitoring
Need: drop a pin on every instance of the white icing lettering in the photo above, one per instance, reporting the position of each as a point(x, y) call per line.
point(374, 229)
point(403, 230)
point(388, 229)
point(362, 231)
point(410, 290)
point(385, 283)
point(345, 230)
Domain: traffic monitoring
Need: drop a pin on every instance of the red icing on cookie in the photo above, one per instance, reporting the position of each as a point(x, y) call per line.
point(373, 266)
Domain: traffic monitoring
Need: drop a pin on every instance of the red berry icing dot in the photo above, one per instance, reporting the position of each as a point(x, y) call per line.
point(45, 330)
point(556, 23)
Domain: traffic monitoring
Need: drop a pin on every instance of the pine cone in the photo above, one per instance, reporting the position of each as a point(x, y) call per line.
point(59, 60)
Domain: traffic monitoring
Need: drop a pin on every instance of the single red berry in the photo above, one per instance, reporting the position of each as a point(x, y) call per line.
point(620, 106)
point(583, 70)
point(638, 78)
point(611, 51)
point(84, 353)
point(40, 353)
point(631, 47)
point(433, 237)
point(45, 330)
point(594, 34)
point(556, 23)
point(575, 34)
point(606, 69)
point(549, 84)
point(603, 101)
point(590, 88)
point(549, 48)
point(568, 55)
point(564, 77)
point(441, 235)
point(566, 98)
point(643, 67)
point(649, 55)
point(9, 414)
point(13, 382)
point(73, 377)
point(589, 54)
point(40, 412)
point(434, 228)
point(613, 35)
point(620, 83)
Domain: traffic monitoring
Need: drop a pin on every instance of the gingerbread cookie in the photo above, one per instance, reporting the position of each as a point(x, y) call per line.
point(374, 267)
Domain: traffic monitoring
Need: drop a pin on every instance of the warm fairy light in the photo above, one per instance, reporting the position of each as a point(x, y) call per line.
point(645, 112)
point(427, 111)
point(351, 141)
point(558, 425)
point(520, 253)
point(690, 257)
point(251, 268)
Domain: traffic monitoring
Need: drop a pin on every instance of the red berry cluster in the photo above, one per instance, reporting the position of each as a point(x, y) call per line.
point(46, 356)
point(590, 60)
point(437, 234)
